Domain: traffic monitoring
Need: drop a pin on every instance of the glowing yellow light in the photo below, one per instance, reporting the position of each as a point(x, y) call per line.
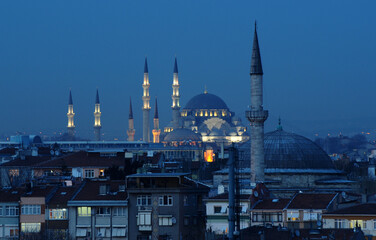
point(209, 155)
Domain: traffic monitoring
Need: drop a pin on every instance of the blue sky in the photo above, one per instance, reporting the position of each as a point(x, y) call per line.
point(318, 59)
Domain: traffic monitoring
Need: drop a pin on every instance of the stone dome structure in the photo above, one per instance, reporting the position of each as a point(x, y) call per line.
point(181, 134)
point(292, 151)
point(206, 101)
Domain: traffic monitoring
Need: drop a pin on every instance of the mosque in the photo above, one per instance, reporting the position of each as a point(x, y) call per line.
point(280, 159)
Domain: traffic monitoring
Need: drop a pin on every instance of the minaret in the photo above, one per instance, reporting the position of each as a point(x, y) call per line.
point(175, 97)
point(70, 116)
point(146, 105)
point(156, 131)
point(257, 115)
point(131, 131)
point(97, 119)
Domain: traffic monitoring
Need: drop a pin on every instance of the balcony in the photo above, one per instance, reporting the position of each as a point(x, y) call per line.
point(257, 116)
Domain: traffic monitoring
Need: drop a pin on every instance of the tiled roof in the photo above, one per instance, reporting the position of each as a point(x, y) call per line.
point(361, 209)
point(83, 159)
point(28, 161)
point(272, 204)
point(39, 191)
point(224, 196)
point(11, 195)
point(90, 191)
point(63, 195)
point(311, 200)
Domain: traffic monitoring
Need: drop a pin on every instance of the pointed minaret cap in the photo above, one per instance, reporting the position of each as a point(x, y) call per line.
point(176, 66)
point(130, 109)
point(97, 98)
point(256, 66)
point(279, 127)
point(70, 102)
point(156, 108)
point(146, 70)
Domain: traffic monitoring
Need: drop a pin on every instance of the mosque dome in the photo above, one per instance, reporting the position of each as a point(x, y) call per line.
point(206, 101)
point(291, 151)
point(182, 134)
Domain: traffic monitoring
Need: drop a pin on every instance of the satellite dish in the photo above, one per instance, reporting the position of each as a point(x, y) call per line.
point(173, 220)
point(344, 195)
point(318, 223)
point(255, 193)
point(52, 152)
point(297, 232)
point(57, 153)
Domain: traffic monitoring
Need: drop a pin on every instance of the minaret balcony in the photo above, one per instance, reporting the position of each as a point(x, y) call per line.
point(257, 116)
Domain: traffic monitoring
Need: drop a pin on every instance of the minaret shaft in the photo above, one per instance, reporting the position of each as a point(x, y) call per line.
point(175, 98)
point(131, 131)
point(257, 116)
point(156, 131)
point(70, 115)
point(146, 106)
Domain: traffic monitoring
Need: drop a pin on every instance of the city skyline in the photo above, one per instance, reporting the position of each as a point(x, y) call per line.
point(311, 66)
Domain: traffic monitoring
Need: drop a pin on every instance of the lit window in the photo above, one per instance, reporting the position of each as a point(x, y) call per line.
point(58, 213)
point(30, 209)
point(13, 232)
point(14, 172)
point(339, 223)
point(165, 200)
point(30, 227)
point(89, 173)
point(84, 211)
point(11, 211)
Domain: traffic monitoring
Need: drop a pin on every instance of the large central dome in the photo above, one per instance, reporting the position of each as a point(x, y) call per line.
point(292, 151)
point(206, 101)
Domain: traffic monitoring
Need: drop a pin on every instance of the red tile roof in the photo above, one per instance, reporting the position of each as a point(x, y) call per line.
point(361, 209)
point(272, 204)
point(90, 191)
point(11, 195)
point(311, 200)
point(63, 195)
point(83, 159)
point(224, 196)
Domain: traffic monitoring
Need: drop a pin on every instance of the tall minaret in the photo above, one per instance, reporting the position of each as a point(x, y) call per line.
point(97, 119)
point(156, 131)
point(146, 105)
point(257, 115)
point(131, 131)
point(70, 116)
point(175, 97)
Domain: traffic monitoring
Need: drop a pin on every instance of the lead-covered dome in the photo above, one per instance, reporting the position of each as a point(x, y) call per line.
point(291, 151)
point(206, 101)
point(181, 134)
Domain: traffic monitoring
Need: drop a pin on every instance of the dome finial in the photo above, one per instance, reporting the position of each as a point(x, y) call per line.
point(279, 128)
point(205, 90)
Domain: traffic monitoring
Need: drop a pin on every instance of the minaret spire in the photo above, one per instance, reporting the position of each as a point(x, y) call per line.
point(175, 97)
point(97, 118)
point(146, 105)
point(156, 131)
point(70, 115)
point(131, 131)
point(257, 115)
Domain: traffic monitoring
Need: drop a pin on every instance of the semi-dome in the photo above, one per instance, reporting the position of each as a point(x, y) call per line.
point(206, 101)
point(181, 134)
point(291, 151)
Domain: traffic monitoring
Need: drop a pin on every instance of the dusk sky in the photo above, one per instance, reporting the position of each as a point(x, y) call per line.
point(319, 61)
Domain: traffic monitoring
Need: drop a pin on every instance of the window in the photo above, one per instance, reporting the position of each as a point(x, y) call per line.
point(144, 219)
point(83, 232)
point(186, 220)
point(30, 210)
point(30, 227)
point(1, 211)
point(165, 200)
point(11, 211)
point(118, 232)
point(103, 211)
point(186, 201)
point(119, 211)
point(84, 211)
point(339, 223)
point(103, 232)
point(165, 220)
point(58, 213)
point(144, 200)
point(11, 231)
point(374, 224)
point(217, 209)
point(89, 173)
